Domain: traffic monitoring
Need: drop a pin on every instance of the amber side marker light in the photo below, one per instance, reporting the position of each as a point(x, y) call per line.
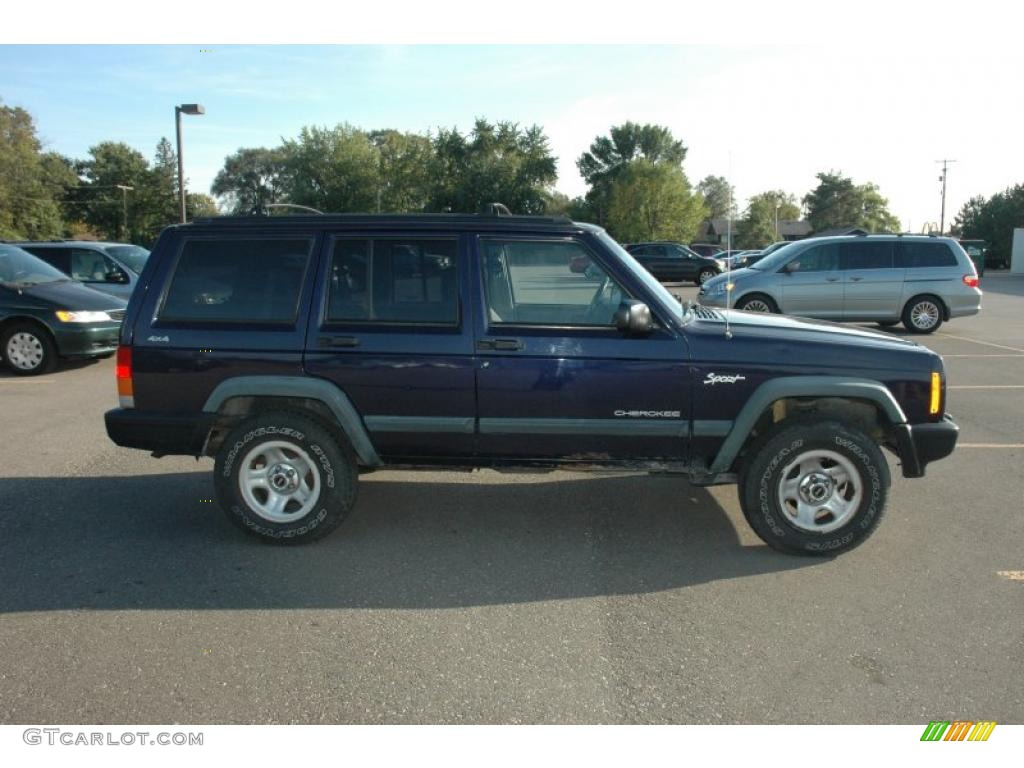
point(935, 403)
point(123, 372)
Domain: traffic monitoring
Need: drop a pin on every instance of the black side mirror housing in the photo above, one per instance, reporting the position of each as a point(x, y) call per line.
point(633, 317)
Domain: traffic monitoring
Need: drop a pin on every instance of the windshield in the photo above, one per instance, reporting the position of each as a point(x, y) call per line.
point(132, 256)
point(19, 268)
point(778, 257)
point(668, 300)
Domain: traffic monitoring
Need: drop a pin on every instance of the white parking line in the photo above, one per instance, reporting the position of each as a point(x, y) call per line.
point(994, 354)
point(1012, 575)
point(26, 381)
point(990, 445)
point(976, 341)
point(987, 386)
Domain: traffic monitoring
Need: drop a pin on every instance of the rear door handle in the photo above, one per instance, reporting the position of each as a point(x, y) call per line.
point(856, 279)
point(510, 345)
point(339, 341)
point(831, 279)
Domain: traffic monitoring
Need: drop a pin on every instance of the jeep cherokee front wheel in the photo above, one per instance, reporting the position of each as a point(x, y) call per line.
point(815, 488)
point(283, 478)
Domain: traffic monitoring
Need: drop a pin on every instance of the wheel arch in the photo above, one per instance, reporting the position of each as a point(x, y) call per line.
point(925, 294)
point(862, 401)
point(243, 396)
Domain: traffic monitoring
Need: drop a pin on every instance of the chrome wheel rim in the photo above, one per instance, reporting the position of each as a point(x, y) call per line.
point(819, 491)
point(25, 351)
point(703, 277)
point(279, 481)
point(756, 305)
point(924, 315)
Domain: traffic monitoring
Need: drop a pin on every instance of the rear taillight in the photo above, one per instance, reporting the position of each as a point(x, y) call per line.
point(123, 372)
point(971, 281)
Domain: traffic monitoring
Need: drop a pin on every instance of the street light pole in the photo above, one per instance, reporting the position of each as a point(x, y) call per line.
point(124, 208)
point(942, 178)
point(188, 109)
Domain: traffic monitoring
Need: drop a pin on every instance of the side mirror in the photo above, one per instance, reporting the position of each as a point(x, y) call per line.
point(791, 267)
point(117, 277)
point(633, 317)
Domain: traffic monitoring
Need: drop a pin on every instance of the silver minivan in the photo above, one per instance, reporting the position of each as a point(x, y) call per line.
point(919, 280)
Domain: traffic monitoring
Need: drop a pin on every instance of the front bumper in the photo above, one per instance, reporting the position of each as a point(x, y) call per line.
point(86, 340)
point(918, 445)
point(165, 434)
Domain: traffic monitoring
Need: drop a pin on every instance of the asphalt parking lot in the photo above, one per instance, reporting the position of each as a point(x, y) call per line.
point(486, 597)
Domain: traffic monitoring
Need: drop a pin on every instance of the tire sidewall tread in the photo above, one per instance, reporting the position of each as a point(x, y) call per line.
point(338, 475)
point(759, 486)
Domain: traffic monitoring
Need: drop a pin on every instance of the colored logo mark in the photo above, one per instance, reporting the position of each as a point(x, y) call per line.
point(958, 730)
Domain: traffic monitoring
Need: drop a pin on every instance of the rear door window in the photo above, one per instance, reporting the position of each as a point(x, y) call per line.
point(916, 255)
point(55, 257)
point(867, 255)
point(394, 280)
point(238, 281)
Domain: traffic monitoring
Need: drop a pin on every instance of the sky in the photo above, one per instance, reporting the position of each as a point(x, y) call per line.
point(766, 116)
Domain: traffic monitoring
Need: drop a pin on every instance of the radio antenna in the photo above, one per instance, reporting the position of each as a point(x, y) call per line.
point(728, 243)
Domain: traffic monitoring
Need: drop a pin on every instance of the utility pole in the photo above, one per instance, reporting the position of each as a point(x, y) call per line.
point(124, 209)
point(942, 178)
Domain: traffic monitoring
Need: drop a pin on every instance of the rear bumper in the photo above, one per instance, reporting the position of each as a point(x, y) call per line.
point(165, 434)
point(920, 444)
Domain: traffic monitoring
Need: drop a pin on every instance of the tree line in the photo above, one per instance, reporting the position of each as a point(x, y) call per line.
point(637, 187)
point(993, 219)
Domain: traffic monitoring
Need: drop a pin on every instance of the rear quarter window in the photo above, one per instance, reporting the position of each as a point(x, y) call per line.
point(921, 255)
point(238, 281)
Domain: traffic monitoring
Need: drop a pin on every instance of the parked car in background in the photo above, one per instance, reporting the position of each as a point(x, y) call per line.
point(706, 249)
point(45, 315)
point(112, 268)
point(920, 280)
point(978, 251)
point(673, 262)
point(775, 246)
point(736, 259)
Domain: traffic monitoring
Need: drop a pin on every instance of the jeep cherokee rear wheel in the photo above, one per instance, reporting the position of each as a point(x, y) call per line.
point(282, 477)
point(815, 488)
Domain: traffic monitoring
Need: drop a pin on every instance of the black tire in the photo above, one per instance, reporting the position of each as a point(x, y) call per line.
point(920, 308)
point(27, 349)
point(704, 275)
point(753, 301)
point(819, 532)
point(304, 448)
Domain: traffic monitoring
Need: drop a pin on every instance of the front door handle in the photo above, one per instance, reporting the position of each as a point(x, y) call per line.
point(831, 279)
point(856, 279)
point(339, 341)
point(510, 345)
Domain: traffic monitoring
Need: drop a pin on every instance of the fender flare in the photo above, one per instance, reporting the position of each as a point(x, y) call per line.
point(310, 388)
point(802, 386)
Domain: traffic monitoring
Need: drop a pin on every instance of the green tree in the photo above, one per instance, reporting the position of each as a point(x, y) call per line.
point(653, 201)
point(757, 228)
point(719, 197)
point(993, 220)
point(250, 176)
point(332, 169)
point(101, 203)
point(494, 163)
point(404, 162)
point(838, 202)
point(610, 155)
point(30, 182)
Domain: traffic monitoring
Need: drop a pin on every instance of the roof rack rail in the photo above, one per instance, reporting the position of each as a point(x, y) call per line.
point(417, 219)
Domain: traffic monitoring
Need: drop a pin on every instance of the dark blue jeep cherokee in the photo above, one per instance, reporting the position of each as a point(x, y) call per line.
point(300, 351)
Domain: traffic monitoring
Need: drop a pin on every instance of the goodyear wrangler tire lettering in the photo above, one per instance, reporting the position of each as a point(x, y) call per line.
point(814, 487)
point(282, 452)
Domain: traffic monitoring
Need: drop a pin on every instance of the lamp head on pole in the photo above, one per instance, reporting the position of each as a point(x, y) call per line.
point(192, 109)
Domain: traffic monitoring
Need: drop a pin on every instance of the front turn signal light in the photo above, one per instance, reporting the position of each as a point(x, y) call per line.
point(935, 401)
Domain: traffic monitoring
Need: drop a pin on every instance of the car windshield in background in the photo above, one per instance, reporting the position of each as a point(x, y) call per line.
point(775, 259)
point(132, 256)
point(668, 299)
point(19, 268)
